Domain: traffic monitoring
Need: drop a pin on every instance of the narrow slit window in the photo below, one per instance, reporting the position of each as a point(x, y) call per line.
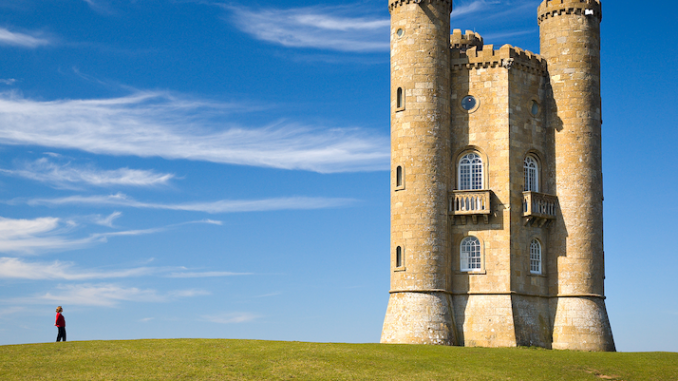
point(399, 176)
point(399, 257)
point(400, 101)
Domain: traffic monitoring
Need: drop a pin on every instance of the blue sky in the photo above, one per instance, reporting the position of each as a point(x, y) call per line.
point(220, 169)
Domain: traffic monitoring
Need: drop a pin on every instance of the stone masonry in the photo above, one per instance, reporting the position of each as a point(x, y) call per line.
point(535, 275)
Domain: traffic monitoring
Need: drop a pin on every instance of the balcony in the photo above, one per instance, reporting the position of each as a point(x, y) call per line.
point(539, 208)
point(473, 203)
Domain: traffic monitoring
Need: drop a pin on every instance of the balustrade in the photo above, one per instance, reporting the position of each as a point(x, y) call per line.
point(539, 206)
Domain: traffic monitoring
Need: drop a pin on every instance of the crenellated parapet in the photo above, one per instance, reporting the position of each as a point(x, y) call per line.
point(553, 8)
point(465, 41)
point(507, 56)
point(392, 4)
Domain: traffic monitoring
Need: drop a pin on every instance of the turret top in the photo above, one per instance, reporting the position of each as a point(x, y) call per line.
point(552, 8)
point(392, 4)
point(465, 41)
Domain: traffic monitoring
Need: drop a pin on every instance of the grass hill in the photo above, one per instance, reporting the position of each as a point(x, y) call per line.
point(203, 359)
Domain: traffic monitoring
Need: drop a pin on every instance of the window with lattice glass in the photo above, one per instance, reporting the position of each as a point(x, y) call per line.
point(531, 171)
point(470, 254)
point(471, 172)
point(535, 257)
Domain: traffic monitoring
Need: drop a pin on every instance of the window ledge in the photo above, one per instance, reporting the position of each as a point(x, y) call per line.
point(470, 272)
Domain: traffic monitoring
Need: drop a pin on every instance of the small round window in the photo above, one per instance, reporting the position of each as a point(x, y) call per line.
point(534, 108)
point(400, 32)
point(469, 103)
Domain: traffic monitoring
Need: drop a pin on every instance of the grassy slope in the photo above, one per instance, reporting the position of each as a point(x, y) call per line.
point(199, 359)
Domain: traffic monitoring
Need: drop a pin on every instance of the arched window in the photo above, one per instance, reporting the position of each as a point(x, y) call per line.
point(400, 101)
point(535, 257)
point(470, 254)
point(531, 171)
point(470, 172)
point(399, 176)
point(399, 257)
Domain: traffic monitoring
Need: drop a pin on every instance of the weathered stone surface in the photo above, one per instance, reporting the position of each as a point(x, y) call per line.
point(546, 106)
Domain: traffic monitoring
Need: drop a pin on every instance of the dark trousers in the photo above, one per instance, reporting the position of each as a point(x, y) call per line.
point(62, 334)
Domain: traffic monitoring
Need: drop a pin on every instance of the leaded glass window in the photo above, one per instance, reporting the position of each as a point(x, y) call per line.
point(535, 257)
point(470, 254)
point(471, 172)
point(531, 171)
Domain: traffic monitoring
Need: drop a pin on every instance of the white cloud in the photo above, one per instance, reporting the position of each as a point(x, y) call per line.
point(40, 234)
point(20, 39)
point(204, 274)
point(468, 8)
point(106, 221)
point(231, 317)
point(150, 124)
point(50, 233)
point(332, 28)
point(14, 268)
point(103, 295)
point(189, 293)
point(221, 206)
point(63, 175)
point(9, 81)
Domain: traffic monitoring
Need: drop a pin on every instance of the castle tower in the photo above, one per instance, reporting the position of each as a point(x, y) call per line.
point(420, 306)
point(496, 185)
point(570, 42)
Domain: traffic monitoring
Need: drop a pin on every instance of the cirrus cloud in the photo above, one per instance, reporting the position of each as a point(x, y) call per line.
point(160, 124)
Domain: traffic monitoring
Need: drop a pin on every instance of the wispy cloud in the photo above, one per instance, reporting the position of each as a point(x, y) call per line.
point(50, 233)
point(108, 220)
point(221, 206)
point(40, 234)
point(160, 124)
point(15, 268)
point(320, 27)
point(204, 274)
point(508, 34)
point(9, 81)
point(103, 295)
point(21, 39)
point(231, 317)
point(461, 9)
point(67, 175)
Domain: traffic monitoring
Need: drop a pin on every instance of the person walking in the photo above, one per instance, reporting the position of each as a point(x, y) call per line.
point(61, 324)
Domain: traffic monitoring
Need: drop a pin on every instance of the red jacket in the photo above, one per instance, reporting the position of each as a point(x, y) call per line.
point(60, 321)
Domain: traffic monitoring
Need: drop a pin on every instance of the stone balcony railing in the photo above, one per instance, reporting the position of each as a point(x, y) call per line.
point(471, 203)
point(539, 207)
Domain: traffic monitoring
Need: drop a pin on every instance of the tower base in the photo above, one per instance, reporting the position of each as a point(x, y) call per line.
point(419, 318)
point(581, 323)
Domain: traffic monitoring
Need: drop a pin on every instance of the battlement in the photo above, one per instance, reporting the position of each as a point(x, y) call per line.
point(392, 4)
point(507, 56)
point(553, 8)
point(464, 41)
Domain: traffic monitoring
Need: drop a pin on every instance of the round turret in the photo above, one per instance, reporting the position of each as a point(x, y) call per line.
point(550, 8)
point(420, 308)
point(466, 40)
point(570, 42)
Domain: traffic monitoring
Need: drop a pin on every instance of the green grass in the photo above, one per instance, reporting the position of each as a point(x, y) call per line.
point(202, 359)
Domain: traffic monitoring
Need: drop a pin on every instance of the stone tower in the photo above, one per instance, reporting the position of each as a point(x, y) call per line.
point(496, 185)
point(420, 306)
point(570, 42)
